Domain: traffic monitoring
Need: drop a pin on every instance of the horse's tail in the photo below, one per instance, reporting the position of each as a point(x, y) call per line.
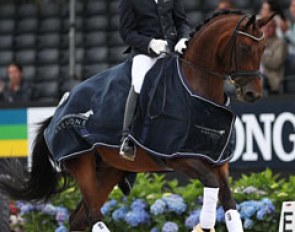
point(38, 184)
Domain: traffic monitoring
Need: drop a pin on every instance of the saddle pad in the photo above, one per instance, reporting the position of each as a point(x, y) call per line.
point(170, 120)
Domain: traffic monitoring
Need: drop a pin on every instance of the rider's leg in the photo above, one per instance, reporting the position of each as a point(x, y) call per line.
point(140, 66)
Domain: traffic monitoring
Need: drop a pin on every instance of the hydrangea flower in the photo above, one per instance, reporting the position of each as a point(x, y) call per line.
point(135, 218)
point(170, 227)
point(49, 209)
point(175, 203)
point(106, 208)
point(138, 204)
point(155, 229)
point(265, 208)
point(252, 189)
point(247, 209)
point(220, 214)
point(248, 224)
point(26, 208)
point(159, 207)
point(62, 215)
point(61, 228)
point(192, 221)
point(120, 214)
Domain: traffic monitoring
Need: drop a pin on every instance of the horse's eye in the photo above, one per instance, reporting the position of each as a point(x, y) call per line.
point(245, 48)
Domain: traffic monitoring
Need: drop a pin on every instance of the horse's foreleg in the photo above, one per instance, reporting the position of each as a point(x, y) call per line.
point(232, 216)
point(194, 168)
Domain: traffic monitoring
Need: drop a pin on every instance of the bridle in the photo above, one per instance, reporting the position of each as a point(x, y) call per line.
point(231, 76)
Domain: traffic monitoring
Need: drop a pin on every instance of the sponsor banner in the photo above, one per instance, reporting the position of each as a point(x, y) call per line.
point(287, 221)
point(18, 129)
point(265, 135)
point(13, 133)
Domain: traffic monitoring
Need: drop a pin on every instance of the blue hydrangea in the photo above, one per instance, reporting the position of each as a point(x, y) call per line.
point(248, 209)
point(159, 207)
point(138, 204)
point(61, 228)
point(155, 229)
point(265, 208)
point(220, 214)
point(248, 224)
point(250, 190)
point(135, 218)
point(170, 227)
point(49, 209)
point(62, 214)
point(120, 214)
point(192, 221)
point(175, 203)
point(26, 208)
point(261, 214)
point(108, 206)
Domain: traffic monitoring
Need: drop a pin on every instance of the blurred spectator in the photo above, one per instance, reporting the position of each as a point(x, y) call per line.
point(16, 89)
point(290, 38)
point(270, 7)
point(225, 4)
point(273, 58)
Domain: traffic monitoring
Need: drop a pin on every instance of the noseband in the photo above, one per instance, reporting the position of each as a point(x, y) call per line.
point(232, 75)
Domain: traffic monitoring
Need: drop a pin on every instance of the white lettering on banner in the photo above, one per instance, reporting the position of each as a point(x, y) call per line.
point(240, 140)
point(263, 138)
point(277, 137)
point(267, 132)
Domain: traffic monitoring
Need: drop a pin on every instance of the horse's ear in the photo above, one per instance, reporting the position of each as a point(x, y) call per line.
point(263, 21)
point(250, 21)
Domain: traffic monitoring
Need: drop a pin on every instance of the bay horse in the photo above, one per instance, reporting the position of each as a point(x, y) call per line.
point(226, 46)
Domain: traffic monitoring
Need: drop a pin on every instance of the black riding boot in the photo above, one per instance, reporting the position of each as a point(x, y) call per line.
point(127, 147)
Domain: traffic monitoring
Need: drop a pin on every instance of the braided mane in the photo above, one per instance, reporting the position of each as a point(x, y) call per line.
point(214, 15)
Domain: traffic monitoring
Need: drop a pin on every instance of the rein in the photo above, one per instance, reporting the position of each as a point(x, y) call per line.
point(231, 76)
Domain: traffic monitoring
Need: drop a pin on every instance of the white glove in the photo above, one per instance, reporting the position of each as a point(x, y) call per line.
point(181, 45)
point(158, 46)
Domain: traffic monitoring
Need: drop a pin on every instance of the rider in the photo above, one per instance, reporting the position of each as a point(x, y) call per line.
point(150, 28)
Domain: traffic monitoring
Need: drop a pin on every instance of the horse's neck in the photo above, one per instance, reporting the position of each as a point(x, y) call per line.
point(202, 83)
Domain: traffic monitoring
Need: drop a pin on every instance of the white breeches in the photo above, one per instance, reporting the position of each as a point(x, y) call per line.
point(140, 66)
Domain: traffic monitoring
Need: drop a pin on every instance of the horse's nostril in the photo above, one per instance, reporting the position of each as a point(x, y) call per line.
point(251, 96)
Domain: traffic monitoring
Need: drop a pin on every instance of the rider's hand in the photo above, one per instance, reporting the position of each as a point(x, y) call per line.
point(158, 46)
point(181, 45)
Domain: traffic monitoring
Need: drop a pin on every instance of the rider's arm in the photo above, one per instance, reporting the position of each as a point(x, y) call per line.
point(180, 20)
point(128, 28)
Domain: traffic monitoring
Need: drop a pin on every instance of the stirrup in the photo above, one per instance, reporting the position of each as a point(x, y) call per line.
point(199, 229)
point(127, 151)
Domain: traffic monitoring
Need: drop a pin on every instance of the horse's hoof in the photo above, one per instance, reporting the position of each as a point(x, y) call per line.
point(199, 229)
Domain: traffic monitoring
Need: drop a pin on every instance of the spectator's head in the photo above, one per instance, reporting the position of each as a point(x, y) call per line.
point(225, 4)
point(270, 29)
point(15, 73)
point(270, 7)
point(292, 8)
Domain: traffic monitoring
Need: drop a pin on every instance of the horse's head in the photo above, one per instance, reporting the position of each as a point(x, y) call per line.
point(242, 55)
point(229, 46)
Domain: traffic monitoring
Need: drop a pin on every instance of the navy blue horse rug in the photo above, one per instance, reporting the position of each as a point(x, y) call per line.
point(170, 121)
